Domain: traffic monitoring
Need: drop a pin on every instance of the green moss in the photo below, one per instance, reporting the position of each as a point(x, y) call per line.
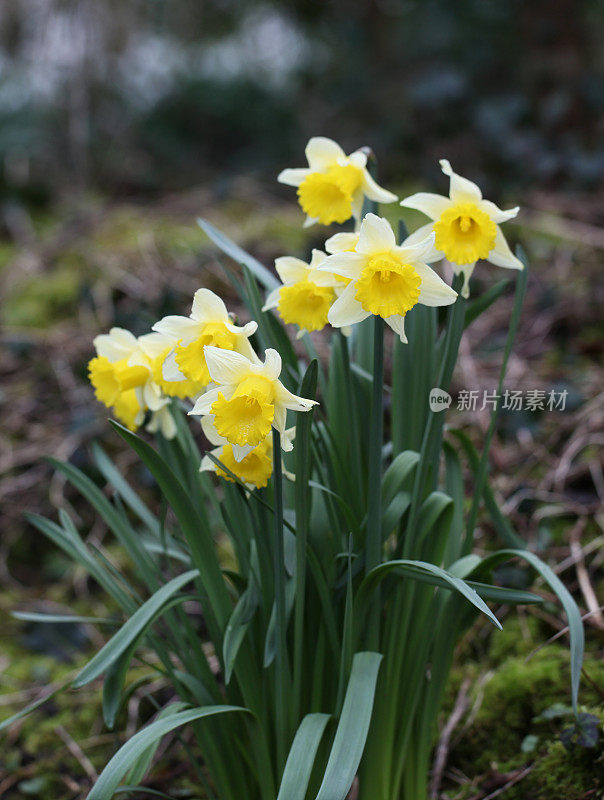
point(40, 301)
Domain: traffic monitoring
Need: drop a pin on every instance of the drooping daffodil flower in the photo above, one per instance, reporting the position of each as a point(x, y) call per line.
point(307, 293)
point(249, 399)
point(254, 469)
point(333, 186)
point(208, 324)
point(466, 227)
point(386, 279)
point(122, 375)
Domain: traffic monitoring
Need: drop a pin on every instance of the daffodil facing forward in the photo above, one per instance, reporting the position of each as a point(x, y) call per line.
point(249, 399)
point(254, 469)
point(333, 186)
point(307, 293)
point(466, 227)
point(208, 324)
point(386, 279)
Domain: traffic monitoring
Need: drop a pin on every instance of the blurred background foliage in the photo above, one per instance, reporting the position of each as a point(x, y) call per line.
point(149, 95)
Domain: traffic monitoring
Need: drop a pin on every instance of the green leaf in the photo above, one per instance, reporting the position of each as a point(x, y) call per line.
point(128, 754)
point(138, 770)
point(351, 733)
point(238, 624)
point(132, 629)
point(238, 254)
point(428, 573)
point(575, 623)
point(301, 758)
point(6, 723)
point(397, 473)
point(32, 616)
point(193, 526)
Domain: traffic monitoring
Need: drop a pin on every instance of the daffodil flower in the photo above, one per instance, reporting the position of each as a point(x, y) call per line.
point(333, 186)
point(254, 469)
point(153, 349)
point(385, 279)
point(466, 227)
point(307, 294)
point(208, 324)
point(248, 400)
point(111, 372)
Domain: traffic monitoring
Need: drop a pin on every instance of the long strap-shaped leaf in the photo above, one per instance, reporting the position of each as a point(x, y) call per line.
point(238, 254)
point(301, 758)
point(127, 755)
point(575, 623)
point(351, 734)
point(196, 532)
point(132, 629)
point(419, 570)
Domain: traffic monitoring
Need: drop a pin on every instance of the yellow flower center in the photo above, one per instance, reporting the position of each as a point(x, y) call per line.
point(305, 304)
point(191, 358)
point(327, 196)
point(387, 286)
point(248, 416)
point(185, 388)
point(465, 233)
point(256, 467)
point(127, 409)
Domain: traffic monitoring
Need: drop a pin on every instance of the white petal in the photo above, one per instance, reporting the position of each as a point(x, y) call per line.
point(166, 423)
point(397, 323)
point(309, 221)
point(418, 236)
point(208, 307)
point(207, 465)
point(375, 192)
point(358, 201)
point(283, 397)
point(204, 403)
point(115, 345)
point(154, 344)
point(419, 250)
point(317, 258)
point(341, 242)
point(152, 396)
point(466, 270)
point(432, 205)
point(433, 291)
point(279, 420)
point(347, 310)
point(501, 255)
point(240, 451)
point(460, 189)
point(209, 431)
point(184, 329)
point(348, 265)
point(242, 330)
point(225, 366)
point(244, 347)
point(170, 370)
point(497, 214)
point(357, 159)
point(289, 434)
point(375, 236)
point(272, 364)
point(293, 177)
point(290, 269)
point(322, 153)
point(272, 299)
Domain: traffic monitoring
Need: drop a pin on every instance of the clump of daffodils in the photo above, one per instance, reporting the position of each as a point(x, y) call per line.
point(465, 226)
point(207, 359)
point(333, 186)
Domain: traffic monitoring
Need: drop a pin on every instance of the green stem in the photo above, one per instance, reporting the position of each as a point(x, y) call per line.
point(373, 547)
point(484, 461)
point(279, 577)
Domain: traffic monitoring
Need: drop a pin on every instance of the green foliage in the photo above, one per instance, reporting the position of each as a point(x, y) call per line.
point(343, 597)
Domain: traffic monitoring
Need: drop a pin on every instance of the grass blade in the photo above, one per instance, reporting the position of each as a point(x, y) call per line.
point(301, 758)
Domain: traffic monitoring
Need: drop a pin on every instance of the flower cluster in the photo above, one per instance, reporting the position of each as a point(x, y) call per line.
point(208, 359)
